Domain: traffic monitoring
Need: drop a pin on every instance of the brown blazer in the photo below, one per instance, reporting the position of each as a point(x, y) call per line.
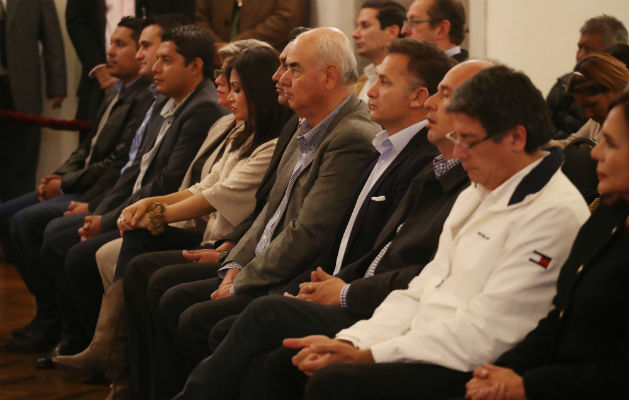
point(269, 20)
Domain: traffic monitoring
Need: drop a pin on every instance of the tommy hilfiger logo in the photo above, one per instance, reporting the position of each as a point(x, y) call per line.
point(540, 259)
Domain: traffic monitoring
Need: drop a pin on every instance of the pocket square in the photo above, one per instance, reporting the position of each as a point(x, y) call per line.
point(378, 198)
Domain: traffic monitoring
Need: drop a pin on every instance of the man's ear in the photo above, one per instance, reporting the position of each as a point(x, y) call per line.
point(196, 66)
point(331, 76)
point(418, 96)
point(444, 29)
point(518, 139)
point(392, 32)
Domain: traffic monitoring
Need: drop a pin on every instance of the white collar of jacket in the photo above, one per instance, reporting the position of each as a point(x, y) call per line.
point(528, 181)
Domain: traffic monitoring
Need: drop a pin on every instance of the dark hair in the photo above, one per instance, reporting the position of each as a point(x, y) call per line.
point(193, 42)
point(166, 22)
point(621, 100)
point(297, 31)
point(135, 24)
point(500, 99)
point(389, 13)
point(427, 62)
point(620, 52)
point(611, 29)
point(454, 12)
point(597, 73)
point(255, 67)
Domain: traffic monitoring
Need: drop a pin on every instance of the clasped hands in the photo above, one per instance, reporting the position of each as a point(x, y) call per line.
point(134, 216)
point(323, 288)
point(491, 382)
point(319, 351)
point(49, 187)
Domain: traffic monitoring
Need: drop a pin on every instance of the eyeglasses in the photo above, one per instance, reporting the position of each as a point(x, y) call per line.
point(217, 73)
point(464, 145)
point(411, 22)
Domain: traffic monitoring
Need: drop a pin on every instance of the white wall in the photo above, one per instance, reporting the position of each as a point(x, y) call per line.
point(538, 37)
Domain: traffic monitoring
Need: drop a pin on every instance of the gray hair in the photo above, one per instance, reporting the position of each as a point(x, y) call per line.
point(333, 47)
point(612, 30)
point(235, 48)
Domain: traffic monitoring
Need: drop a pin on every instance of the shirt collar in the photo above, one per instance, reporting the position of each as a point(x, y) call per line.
point(441, 165)
point(121, 86)
point(370, 70)
point(170, 107)
point(453, 51)
point(310, 137)
point(153, 90)
point(383, 142)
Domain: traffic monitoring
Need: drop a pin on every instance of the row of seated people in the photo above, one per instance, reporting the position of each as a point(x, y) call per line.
point(423, 276)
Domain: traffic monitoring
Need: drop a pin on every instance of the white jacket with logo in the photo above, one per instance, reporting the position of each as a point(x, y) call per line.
point(488, 285)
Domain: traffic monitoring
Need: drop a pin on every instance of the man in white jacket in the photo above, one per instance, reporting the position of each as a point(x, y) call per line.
point(492, 278)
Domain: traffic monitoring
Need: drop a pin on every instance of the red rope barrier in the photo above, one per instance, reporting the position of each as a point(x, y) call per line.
point(36, 120)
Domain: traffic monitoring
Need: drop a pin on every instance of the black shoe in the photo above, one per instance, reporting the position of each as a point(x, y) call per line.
point(27, 330)
point(63, 348)
point(32, 344)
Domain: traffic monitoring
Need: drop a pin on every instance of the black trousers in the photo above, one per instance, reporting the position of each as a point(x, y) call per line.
point(395, 381)
point(145, 280)
point(259, 329)
point(187, 315)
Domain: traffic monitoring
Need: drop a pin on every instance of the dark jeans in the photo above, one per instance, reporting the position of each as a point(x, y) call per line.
point(28, 220)
point(73, 266)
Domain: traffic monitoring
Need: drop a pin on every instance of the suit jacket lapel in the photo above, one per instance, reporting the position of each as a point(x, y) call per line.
point(418, 146)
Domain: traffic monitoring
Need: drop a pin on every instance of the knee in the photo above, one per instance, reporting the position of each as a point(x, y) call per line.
point(324, 383)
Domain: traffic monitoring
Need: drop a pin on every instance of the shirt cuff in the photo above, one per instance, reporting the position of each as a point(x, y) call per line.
point(343, 296)
point(231, 265)
point(93, 70)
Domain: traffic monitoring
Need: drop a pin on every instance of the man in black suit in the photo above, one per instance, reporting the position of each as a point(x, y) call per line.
point(177, 127)
point(439, 21)
point(104, 149)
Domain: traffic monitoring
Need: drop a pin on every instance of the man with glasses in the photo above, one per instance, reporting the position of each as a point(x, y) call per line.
point(492, 277)
point(438, 21)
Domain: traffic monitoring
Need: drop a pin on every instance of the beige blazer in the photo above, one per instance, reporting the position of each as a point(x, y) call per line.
point(229, 182)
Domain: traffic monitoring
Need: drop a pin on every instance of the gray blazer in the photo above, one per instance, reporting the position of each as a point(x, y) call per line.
point(29, 22)
point(319, 198)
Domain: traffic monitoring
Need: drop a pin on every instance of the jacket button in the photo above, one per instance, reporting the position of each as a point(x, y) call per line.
point(561, 314)
point(580, 269)
point(614, 229)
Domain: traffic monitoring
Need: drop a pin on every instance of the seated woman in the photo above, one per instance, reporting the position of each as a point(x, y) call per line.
point(580, 350)
point(224, 197)
point(596, 80)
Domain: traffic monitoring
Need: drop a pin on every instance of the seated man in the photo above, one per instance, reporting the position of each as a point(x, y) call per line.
point(327, 156)
point(103, 149)
point(580, 349)
point(176, 128)
point(468, 303)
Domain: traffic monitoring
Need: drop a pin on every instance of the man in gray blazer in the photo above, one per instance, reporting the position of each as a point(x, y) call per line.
point(23, 26)
point(315, 183)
